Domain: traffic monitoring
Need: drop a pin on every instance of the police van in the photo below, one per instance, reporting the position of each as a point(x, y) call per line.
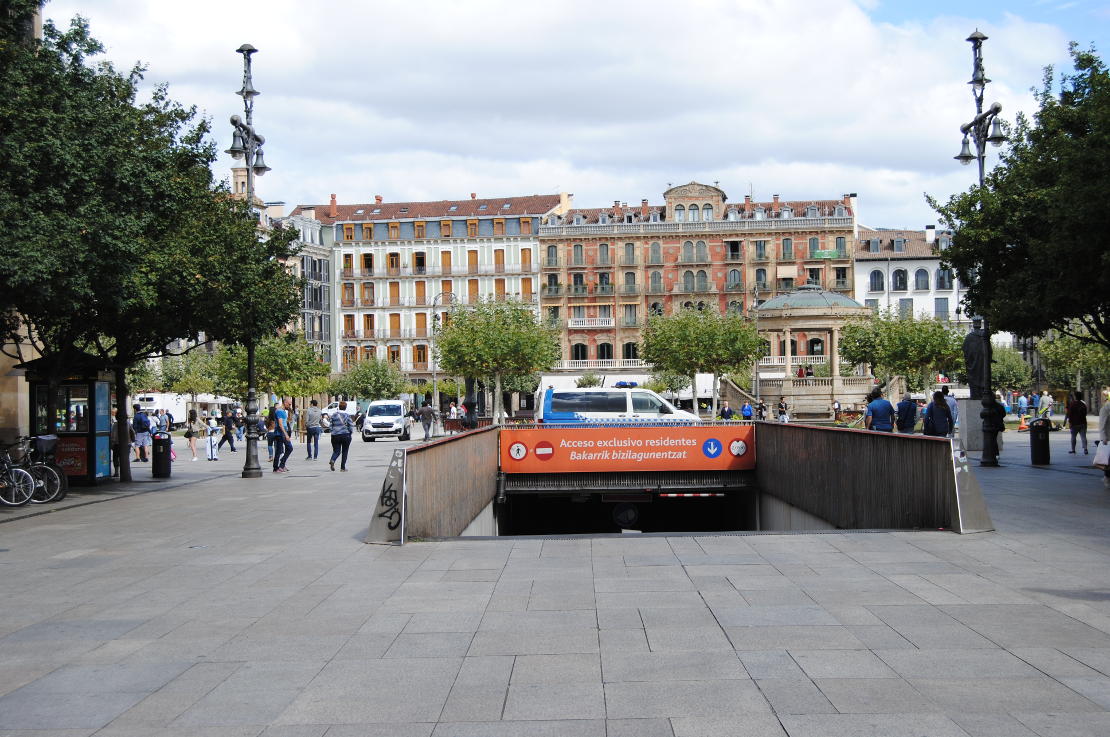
point(615, 404)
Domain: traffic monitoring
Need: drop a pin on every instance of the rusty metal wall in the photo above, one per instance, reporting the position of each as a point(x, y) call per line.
point(856, 479)
point(449, 481)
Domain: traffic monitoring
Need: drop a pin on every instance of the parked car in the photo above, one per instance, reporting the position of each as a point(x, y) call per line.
point(387, 418)
point(602, 404)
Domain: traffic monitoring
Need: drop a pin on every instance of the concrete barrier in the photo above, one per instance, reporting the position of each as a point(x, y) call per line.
point(449, 481)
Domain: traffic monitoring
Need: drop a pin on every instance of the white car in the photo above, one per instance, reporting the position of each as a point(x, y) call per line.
point(387, 418)
point(605, 405)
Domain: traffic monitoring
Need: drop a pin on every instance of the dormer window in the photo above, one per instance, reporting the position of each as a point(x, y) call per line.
point(603, 218)
point(760, 213)
point(376, 211)
point(840, 211)
point(628, 218)
point(577, 219)
point(404, 210)
point(899, 245)
point(679, 213)
point(811, 211)
point(483, 206)
point(874, 245)
point(787, 213)
point(654, 217)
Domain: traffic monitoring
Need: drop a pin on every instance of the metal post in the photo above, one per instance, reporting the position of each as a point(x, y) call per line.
point(450, 299)
point(247, 144)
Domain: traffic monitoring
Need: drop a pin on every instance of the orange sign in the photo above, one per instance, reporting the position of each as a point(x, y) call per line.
point(607, 449)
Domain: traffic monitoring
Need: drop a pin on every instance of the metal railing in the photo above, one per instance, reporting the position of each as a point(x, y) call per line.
point(590, 322)
point(441, 502)
point(712, 226)
point(603, 363)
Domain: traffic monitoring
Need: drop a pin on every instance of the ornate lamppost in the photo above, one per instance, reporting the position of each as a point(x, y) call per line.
point(246, 144)
point(984, 128)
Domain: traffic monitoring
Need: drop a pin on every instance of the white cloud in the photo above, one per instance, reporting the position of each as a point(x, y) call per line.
point(609, 100)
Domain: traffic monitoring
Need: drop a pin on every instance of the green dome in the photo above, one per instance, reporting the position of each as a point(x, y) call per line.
point(809, 295)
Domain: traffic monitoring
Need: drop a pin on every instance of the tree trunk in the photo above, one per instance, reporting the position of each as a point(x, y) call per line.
point(714, 415)
point(694, 393)
point(497, 410)
point(123, 426)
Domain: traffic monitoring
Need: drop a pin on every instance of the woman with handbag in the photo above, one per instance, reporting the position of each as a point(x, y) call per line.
point(192, 430)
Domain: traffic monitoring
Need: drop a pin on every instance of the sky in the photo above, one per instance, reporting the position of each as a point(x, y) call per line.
point(605, 99)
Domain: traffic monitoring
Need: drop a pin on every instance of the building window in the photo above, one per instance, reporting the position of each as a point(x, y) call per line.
point(735, 307)
point(921, 279)
point(734, 279)
point(841, 245)
point(630, 351)
point(394, 230)
point(876, 284)
point(814, 247)
point(631, 316)
point(348, 232)
point(811, 211)
point(841, 276)
point(787, 283)
point(788, 248)
point(471, 228)
point(578, 352)
point(630, 280)
point(702, 281)
point(816, 347)
point(444, 228)
point(656, 282)
point(498, 226)
point(761, 250)
point(629, 254)
point(872, 303)
point(944, 278)
point(814, 276)
point(526, 226)
point(603, 254)
point(787, 212)
point(418, 230)
point(702, 252)
point(874, 245)
point(553, 315)
point(655, 253)
point(899, 281)
point(940, 308)
point(656, 308)
point(761, 278)
point(577, 259)
point(552, 256)
point(905, 308)
point(899, 245)
point(688, 281)
point(605, 351)
point(679, 213)
point(695, 214)
point(759, 213)
point(707, 213)
point(688, 252)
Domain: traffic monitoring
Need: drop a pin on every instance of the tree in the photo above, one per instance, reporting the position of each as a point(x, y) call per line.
point(689, 342)
point(1009, 371)
point(371, 379)
point(285, 365)
point(666, 382)
point(913, 347)
point(192, 373)
point(1069, 361)
point(495, 340)
point(588, 379)
point(1033, 246)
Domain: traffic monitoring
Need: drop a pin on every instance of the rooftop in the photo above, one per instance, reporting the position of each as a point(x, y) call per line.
point(534, 205)
point(809, 295)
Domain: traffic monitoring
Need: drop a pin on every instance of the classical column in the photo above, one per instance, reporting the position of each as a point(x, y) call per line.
point(787, 352)
point(834, 353)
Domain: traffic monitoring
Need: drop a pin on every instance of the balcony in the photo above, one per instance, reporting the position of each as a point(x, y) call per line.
point(632, 260)
point(655, 261)
point(602, 363)
point(551, 291)
point(346, 273)
point(734, 257)
point(604, 289)
point(734, 287)
point(690, 289)
point(577, 263)
point(604, 261)
point(654, 288)
point(577, 290)
point(630, 322)
point(551, 263)
point(630, 289)
point(590, 322)
point(841, 284)
point(348, 302)
point(711, 226)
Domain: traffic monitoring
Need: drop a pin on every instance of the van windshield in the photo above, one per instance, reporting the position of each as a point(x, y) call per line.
point(385, 410)
point(589, 402)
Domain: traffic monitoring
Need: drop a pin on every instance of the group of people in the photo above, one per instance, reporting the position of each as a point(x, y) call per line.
point(747, 411)
point(939, 416)
point(1038, 405)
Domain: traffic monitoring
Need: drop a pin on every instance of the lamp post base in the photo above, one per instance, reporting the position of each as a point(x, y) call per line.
point(251, 468)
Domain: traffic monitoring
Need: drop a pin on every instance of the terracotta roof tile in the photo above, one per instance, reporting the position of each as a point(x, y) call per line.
point(915, 246)
point(517, 206)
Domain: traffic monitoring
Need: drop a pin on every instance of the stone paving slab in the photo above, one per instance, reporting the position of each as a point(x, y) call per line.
point(210, 606)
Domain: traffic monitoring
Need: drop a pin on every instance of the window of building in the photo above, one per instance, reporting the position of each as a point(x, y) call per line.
point(418, 230)
point(603, 218)
point(631, 316)
point(471, 228)
point(394, 230)
point(605, 311)
point(874, 245)
point(452, 208)
point(759, 213)
point(787, 248)
point(813, 276)
point(701, 252)
point(787, 283)
point(604, 286)
point(944, 278)
point(577, 257)
point(814, 247)
point(578, 352)
point(630, 281)
point(656, 282)
point(629, 253)
point(921, 279)
point(761, 278)
point(841, 245)
point(811, 211)
point(605, 351)
point(655, 253)
point(552, 256)
point(526, 226)
point(841, 276)
point(899, 281)
point(701, 281)
point(787, 212)
point(876, 282)
point(603, 254)
point(679, 213)
point(394, 354)
point(940, 308)
point(654, 217)
point(483, 206)
point(656, 308)
point(899, 245)
point(688, 281)
point(840, 211)
point(444, 228)
point(630, 351)
point(733, 215)
point(735, 307)
point(872, 303)
point(553, 314)
point(905, 308)
point(367, 264)
point(733, 279)
point(688, 251)
point(707, 213)
point(577, 219)
point(816, 346)
point(348, 232)
point(761, 250)
point(695, 214)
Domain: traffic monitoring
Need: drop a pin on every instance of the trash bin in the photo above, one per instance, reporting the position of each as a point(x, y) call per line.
point(1038, 442)
point(160, 461)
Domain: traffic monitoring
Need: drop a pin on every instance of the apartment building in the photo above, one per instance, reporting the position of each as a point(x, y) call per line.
point(901, 271)
point(398, 267)
point(605, 269)
point(313, 263)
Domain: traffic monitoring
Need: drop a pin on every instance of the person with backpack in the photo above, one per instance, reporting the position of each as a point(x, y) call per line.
point(341, 429)
point(938, 417)
point(140, 423)
point(282, 435)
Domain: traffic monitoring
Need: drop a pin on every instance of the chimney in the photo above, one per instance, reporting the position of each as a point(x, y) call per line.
point(473, 195)
point(377, 199)
point(333, 209)
point(845, 200)
point(774, 203)
point(747, 204)
point(643, 209)
point(930, 234)
point(617, 209)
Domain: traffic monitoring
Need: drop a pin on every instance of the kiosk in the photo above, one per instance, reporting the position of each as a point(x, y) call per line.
point(82, 419)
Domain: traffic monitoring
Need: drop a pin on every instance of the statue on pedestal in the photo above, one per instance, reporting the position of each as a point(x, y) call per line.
point(977, 358)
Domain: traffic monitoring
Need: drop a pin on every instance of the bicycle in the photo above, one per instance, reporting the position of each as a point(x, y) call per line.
point(36, 456)
point(17, 485)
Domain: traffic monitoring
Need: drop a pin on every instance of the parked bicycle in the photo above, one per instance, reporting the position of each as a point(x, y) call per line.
point(36, 456)
point(17, 485)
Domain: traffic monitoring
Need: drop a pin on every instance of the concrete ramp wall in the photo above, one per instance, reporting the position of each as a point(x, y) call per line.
point(449, 482)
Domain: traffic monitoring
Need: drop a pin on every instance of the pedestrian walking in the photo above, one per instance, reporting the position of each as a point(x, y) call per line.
point(761, 411)
point(783, 410)
point(313, 419)
point(341, 428)
point(746, 411)
point(141, 425)
point(727, 413)
point(240, 425)
point(212, 431)
point(907, 414)
point(1023, 404)
point(880, 414)
point(1104, 434)
point(228, 423)
point(282, 435)
point(193, 430)
point(1046, 405)
point(1075, 417)
point(953, 409)
point(836, 410)
point(938, 417)
point(427, 417)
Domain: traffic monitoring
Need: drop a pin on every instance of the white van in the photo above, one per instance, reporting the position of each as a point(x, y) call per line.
point(387, 418)
point(605, 404)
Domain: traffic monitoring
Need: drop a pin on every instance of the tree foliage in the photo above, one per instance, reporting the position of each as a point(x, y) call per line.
point(191, 373)
point(1071, 362)
point(689, 342)
point(495, 340)
point(588, 379)
point(912, 347)
point(371, 379)
point(1033, 245)
point(285, 365)
point(1009, 371)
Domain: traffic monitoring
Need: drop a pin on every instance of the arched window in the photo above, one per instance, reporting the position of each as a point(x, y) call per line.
point(679, 213)
point(814, 247)
point(695, 215)
point(707, 213)
point(702, 284)
point(701, 306)
point(788, 248)
point(688, 281)
point(552, 256)
point(687, 251)
point(944, 278)
point(687, 305)
point(656, 281)
point(898, 280)
point(630, 278)
point(735, 307)
point(656, 308)
point(605, 351)
point(921, 279)
point(733, 278)
point(816, 346)
point(578, 352)
point(701, 252)
point(876, 284)
point(630, 351)
point(761, 278)
point(577, 256)
point(656, 255)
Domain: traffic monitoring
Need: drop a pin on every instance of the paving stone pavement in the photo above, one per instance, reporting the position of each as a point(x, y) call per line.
point(211, 606)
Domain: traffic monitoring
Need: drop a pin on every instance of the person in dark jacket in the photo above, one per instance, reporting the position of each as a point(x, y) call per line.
point(907, 414)
point(938, 418)
point(228, 421)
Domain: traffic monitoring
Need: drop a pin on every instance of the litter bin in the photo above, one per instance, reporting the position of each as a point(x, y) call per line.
point(1038, 442)
point(160, 461)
